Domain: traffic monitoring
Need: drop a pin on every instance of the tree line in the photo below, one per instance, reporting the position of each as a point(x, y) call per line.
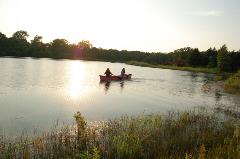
point(18, 46)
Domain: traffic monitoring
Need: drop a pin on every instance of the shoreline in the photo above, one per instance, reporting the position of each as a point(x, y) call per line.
point(229, 81)
point(172, 67)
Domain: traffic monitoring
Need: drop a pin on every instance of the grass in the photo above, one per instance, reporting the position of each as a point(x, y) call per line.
point(232, 84)
point(189, 135)
point(173, 67)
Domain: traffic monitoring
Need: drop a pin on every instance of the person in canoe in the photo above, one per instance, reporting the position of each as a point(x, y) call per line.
point(123, 73)
point(108, 73)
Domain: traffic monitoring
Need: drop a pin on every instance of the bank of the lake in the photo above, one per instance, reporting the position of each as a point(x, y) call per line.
point(173, 67)
point(190, 134)
point(231, 80)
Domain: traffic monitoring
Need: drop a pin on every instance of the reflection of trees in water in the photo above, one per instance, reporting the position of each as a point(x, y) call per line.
point(218, 95)
point(209, 87)
point(192, 85)
point(203, 79)
point(107, 85)
point(193, 76)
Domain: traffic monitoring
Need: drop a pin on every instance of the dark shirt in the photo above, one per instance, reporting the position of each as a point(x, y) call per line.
point(108, 73)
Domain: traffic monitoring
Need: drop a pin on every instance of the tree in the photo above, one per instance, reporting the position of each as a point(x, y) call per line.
point(181, 56)
point(59, 48)
point(37, 48)
point(223, 59)
point(234, 57)
point(19, 44)
point(3, 44)
point(20, 35)
point(36, 40)
point(83, 50)
point(2, 36)
point(84, 44)
point(212, 57)
point(194, 57)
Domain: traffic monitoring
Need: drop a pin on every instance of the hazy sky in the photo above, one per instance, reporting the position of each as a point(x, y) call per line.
point(145, 25)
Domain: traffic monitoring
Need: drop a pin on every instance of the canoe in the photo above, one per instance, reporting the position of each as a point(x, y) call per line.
point(115, 78)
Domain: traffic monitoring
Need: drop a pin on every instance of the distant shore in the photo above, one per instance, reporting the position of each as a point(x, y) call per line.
point(231, 80)
point(172, 67)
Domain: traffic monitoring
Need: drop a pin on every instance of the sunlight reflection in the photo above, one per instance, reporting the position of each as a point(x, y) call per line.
point(76, 87)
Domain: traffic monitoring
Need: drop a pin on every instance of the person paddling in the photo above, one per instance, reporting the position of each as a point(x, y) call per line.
point(108, 73)
point(123, 73)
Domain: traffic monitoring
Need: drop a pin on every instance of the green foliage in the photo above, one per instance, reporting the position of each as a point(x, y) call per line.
point(232, 85)
point(87, 155)
point(18, 46)
point(223, 60)
point(59, 48)
point(85, 44)
point(37, 40)
point(37, 47)
point(20, 35)
point(193, 134)
point(194, 58)
point(81, 131)
point(3, 43)
point(2, 36)
point(126, 145)
point(211, 54)
point(218, 78)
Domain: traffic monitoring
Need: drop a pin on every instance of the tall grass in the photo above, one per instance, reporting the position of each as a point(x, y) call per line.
point(187, 135)
point(232, 85)
point(173, 67)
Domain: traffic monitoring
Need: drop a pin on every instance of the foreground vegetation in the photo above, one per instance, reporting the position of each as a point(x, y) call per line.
point(232, 84)
point(222, 59)
point(186, 135)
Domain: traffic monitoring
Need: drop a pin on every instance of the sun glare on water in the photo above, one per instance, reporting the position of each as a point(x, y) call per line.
point(76, 87)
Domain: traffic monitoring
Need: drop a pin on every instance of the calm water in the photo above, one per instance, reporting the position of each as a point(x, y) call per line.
point(35, 93)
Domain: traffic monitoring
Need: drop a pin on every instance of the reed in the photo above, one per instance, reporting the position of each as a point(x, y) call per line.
point(190, 134)
point(232, 84)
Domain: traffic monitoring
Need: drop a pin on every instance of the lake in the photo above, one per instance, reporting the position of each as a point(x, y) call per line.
point(35, 93)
